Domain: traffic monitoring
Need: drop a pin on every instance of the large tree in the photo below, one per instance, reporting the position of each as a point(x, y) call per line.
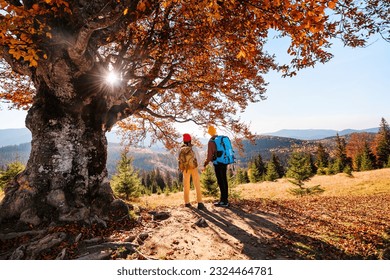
point(169, 61)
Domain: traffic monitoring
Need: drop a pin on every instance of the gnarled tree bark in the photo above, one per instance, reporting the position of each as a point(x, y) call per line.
point(65, 179)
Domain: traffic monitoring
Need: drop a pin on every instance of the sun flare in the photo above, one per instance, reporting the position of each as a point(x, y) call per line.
point(112, 78)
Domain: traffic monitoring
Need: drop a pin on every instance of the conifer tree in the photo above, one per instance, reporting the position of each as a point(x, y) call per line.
point(357, 162)
point(160, 179)
point(279, 167)
point(126, 182)
point(272, 173)
point(246, 176)
point(341, 159)
point(321, 159)
point(209, 182)
point(299, 168)
point(242, 176)
point(383, 144)
point(253, 174)
point(168, 181)
point(274, 169)
point(258, 169)
point(367, 159)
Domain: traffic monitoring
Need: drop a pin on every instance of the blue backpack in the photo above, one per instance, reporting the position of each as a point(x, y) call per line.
point(225, 153)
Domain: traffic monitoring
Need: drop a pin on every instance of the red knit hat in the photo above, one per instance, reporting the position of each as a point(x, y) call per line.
point(186, 137)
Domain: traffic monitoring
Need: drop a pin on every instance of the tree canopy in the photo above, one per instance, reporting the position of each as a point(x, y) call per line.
point(173, 60)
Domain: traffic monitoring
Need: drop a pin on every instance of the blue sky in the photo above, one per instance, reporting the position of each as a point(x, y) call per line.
point(350, 91)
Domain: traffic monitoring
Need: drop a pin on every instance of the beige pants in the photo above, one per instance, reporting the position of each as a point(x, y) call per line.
point(186, 182)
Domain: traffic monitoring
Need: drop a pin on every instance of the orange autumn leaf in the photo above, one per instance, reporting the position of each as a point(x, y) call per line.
point(332, 5)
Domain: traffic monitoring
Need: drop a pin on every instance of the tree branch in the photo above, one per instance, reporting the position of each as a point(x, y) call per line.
point(173, 118)
point(77, 50)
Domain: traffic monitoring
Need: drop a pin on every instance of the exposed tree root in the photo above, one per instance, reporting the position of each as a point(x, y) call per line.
point(33, 249)
point(104, 250)
point(12, 235)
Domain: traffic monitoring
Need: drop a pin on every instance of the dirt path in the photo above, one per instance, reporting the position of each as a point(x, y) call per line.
point(335, 228)
point(216, 233)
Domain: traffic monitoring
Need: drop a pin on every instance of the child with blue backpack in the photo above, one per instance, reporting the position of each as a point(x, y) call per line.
point(219, 151)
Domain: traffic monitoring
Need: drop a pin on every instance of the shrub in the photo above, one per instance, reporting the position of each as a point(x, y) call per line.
point(11, 171)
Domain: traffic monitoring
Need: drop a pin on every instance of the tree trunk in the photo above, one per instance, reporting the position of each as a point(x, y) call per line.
point(65, 179)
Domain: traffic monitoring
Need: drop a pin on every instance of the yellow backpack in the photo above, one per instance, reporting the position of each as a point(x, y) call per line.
point(187, 158)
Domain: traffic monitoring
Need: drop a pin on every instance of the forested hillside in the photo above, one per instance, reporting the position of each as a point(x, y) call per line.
point(144, 159)
point(148, 159)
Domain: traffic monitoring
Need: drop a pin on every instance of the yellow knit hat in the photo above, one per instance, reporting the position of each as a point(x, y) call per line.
point(212, 131)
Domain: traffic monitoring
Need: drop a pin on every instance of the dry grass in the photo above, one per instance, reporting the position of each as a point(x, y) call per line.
point(360, 183)
point(173, 199)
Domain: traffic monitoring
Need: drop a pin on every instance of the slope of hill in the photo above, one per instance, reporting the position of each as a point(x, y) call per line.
point(151, 158)
point(148, 159)
point(144, 159)
point(266, 145)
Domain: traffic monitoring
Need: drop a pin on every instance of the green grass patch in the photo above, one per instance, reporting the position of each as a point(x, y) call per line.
point(305, 250)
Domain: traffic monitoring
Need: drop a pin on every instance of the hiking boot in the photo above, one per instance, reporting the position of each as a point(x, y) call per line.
point(224, 204)
point(187, 205)
point(201, 206)
point(221, 204)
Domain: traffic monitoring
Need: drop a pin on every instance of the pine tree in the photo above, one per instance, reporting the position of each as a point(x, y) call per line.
point(160, 180)
point(383, 144)
point(357, 162)
point(252, 172)
point(272, 173)
point(274, 169)
point(168, 181)
point(341, 159)
point(209, 182)
point(367, 159)
point(257, 169)
point(242, 176)
point(246, 176)
point(279, 167)
point(299, 168)
point(321, 159)
point(126, 182)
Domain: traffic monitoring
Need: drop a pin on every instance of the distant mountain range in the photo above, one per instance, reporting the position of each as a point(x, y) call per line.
point(15, 145)
point(16, 136)
point(143, 159)
point(316, 134)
